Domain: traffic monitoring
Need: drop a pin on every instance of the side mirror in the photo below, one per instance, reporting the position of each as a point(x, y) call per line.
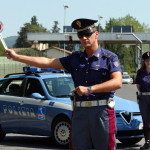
point(37, 96)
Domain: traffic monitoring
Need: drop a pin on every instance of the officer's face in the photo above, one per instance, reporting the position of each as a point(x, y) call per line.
point(147, 63)
point(88, 41)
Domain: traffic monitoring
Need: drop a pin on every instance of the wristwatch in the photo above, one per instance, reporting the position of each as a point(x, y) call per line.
point(89, 89)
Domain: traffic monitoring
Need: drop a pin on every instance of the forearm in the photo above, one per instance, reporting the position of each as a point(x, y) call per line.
point(107, 86)
point(111, 85)
point(41, 62)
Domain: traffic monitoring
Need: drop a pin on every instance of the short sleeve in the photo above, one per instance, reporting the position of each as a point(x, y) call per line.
point(115, 64)
point(65, 61)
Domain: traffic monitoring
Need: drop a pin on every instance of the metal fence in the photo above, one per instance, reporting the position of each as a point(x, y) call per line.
point(9, 66)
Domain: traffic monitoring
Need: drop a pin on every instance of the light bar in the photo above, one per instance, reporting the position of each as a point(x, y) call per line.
point(36, 70)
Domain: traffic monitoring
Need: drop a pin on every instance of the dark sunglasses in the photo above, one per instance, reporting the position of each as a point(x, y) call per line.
point(85, 35)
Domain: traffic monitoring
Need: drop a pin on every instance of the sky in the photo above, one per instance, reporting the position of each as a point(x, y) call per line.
point(15, 13)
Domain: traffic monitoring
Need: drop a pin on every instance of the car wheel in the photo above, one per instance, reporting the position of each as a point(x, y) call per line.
point(2, 134)
point(130, 141)
point(61, 131)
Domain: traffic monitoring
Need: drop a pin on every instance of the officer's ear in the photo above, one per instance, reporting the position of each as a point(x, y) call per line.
point(97, 34)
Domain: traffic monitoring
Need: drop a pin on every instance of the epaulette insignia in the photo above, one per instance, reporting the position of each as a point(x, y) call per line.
point(78, 24)
point(107, 55)
point(76, 52)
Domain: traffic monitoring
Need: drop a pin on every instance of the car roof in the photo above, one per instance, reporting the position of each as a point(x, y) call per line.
point(36, 75)
point(54, 75)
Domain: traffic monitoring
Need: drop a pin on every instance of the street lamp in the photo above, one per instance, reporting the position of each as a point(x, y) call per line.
point(99, 17)
point(65, 7)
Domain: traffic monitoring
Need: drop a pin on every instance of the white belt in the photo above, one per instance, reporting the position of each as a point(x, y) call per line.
point(145, 93)
point(94, 103)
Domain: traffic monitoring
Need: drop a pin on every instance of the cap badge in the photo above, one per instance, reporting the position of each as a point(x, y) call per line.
point(148, 54)
point(78, 24)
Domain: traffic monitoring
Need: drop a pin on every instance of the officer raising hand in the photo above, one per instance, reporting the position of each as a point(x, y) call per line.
point(96, 74)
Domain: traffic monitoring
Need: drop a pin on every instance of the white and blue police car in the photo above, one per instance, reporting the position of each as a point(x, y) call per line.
point(37, 102)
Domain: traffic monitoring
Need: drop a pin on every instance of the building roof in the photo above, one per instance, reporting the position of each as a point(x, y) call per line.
point(104, 37)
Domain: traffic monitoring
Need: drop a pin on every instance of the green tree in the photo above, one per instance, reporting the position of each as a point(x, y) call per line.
point(55, 28)
point(125, 53)
point(31, 52)
point(34, 21)
point(126, 21)
point(33, 26)
point(1, 49)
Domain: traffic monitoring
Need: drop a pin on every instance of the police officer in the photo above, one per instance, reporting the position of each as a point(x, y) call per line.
point(143, 85)
point(96, 74)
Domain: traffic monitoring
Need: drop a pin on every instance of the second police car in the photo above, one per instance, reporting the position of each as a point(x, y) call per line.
point(38, 103)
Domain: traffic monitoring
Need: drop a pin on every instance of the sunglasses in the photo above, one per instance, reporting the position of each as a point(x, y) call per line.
point(85, 35)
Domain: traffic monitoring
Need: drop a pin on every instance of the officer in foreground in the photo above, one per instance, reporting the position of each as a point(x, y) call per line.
point(96, 74)
point(143, 85)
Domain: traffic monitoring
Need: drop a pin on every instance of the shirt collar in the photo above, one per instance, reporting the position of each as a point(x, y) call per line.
point(97, 54)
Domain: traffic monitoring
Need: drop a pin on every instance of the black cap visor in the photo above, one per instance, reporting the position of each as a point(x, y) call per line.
point(85, 33)
point(148, 57)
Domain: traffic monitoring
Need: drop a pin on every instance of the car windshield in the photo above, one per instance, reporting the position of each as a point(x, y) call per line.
point(126, 77)
point(59, 87)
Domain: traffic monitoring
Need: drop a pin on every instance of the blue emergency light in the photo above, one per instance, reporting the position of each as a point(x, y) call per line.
point(36, 70)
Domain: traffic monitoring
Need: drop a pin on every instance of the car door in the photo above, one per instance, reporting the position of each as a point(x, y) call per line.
point(10, 110)
point(34, 118)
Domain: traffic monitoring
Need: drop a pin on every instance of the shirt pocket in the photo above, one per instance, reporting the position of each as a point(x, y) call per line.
point(78, 72)
point(99, 74)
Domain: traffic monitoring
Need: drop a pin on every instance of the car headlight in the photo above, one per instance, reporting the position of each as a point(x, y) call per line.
point(141, 126)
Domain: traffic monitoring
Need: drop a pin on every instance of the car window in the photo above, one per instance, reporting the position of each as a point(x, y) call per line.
point(11, 87)
point(126, 77)
point(33, 86)
point(59, 87)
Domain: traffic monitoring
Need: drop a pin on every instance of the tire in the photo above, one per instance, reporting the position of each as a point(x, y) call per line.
point(61, 131)
point(130, 141)
point(2, 134)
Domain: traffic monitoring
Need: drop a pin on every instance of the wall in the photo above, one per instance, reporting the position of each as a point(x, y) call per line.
point(9, 66)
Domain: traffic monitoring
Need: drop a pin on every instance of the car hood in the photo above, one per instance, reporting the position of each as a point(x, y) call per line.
point(125, 104)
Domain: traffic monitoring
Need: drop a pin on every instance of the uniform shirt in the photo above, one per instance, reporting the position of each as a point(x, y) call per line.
point(90, 71)
point(144, 81)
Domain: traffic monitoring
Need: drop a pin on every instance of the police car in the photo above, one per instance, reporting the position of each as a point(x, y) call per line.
point(38, 103)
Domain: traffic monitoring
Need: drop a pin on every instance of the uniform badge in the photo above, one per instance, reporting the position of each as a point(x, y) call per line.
point(78, 24)
point(116, 63)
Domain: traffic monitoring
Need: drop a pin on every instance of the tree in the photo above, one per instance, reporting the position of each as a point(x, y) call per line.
point(55, 28)
point(33, 26)
point(31, 52)
point(34, 21)
point(125, 53)
point(126, 21)
point(1, 49)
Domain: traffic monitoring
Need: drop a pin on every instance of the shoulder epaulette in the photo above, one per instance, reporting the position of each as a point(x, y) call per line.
point(76, 52)
point(107, 54)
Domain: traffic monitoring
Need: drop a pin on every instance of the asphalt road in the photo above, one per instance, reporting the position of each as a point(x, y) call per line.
point(26, 142)
point(128, 91)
